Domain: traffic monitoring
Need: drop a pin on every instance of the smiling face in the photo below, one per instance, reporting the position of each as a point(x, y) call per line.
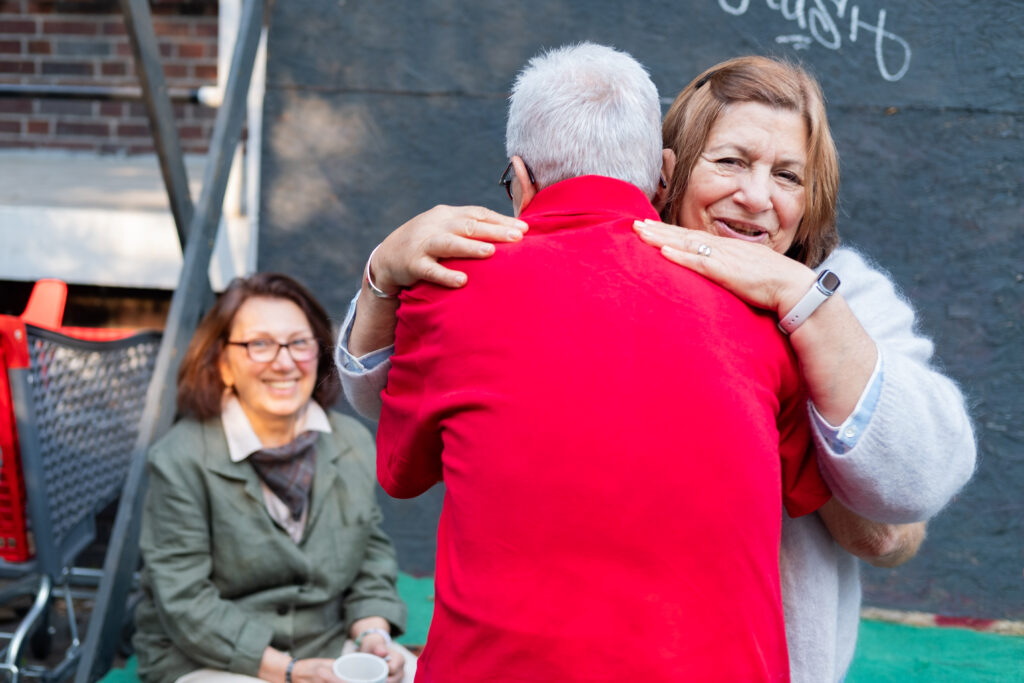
point(272, 393)
point(748, 183)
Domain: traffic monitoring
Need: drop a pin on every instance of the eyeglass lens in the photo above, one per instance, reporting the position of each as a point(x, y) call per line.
point(506, 180)
point(266, 350)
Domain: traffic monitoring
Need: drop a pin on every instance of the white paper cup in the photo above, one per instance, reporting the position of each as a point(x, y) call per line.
point(361, 667)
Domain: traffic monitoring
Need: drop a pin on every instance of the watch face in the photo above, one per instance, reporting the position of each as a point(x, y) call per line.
point(829, 281)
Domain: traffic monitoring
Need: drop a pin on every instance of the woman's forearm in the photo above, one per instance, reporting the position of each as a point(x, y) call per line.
point(373, 327)
point(274, 668)
point(917, 451)
point(837, 358)
point(273, 665)
point(918, 448)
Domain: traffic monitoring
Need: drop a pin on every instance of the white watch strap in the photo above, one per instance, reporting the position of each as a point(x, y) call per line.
point(808, 304)
point(378, 631)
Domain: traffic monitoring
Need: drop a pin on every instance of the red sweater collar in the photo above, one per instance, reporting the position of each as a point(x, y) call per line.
point(589, 195)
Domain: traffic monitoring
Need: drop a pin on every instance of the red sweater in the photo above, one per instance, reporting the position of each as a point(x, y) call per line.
point(616, 435)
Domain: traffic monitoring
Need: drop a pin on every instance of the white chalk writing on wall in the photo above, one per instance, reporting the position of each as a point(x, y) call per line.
point(892, 52)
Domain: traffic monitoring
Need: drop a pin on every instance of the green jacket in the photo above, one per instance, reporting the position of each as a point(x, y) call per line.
point(221, 581)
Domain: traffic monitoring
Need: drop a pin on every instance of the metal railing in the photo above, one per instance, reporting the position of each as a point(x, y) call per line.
point(197, 226)
point(95, 93)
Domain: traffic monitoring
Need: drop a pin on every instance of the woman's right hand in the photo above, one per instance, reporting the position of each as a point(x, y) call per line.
point(411, 252)
point(309, 670)
point(752, 271)
point(877, 543)
point(837, 357)
point(314, 670)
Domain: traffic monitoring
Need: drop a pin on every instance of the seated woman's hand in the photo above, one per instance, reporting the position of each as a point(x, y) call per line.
point(314, 670)
point(376, 644)
point(752, 271)
point(410, 253)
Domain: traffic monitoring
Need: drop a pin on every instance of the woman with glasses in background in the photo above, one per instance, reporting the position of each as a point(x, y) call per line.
point(264, 556)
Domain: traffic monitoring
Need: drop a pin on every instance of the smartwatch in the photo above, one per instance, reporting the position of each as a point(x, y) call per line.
point(824, 287)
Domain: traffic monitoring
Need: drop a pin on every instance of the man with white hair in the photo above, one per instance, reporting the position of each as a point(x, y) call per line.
point(595, 527)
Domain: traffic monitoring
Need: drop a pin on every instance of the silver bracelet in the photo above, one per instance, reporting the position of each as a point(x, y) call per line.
point(374, 289)
point(374, 631)
point(288, 670)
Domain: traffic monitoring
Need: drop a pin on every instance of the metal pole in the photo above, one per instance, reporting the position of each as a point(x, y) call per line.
point(186, 305)
point(139, 25)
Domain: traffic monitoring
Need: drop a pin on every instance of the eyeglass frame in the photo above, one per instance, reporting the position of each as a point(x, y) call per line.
point(277, 351)
point(507, 182)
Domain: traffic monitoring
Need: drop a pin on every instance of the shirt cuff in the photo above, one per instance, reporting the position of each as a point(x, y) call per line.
point(843, 438)
point(344, 358)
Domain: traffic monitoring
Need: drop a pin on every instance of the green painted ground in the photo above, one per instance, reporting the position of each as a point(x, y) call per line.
point(906, 654)
point(419, 596)
point(886, 653)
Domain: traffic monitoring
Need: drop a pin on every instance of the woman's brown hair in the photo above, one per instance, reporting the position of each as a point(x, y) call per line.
point(200, 387)
point(777, 84)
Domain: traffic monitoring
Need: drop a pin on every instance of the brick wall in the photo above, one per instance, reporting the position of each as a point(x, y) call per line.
point(83, 42)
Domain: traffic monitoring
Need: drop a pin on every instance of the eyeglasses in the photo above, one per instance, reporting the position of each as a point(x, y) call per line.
point(266, 350)
point(508, 175)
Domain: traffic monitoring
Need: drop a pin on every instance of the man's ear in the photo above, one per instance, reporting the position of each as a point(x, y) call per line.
point(527, 188)
point(668, 167)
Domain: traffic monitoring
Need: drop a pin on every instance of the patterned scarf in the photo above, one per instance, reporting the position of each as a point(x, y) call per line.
point(288, 470)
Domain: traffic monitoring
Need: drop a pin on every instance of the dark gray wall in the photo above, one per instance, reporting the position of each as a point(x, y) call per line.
point(378, 109)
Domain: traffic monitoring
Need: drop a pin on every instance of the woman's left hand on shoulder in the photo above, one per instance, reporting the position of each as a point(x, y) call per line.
point(752, 271)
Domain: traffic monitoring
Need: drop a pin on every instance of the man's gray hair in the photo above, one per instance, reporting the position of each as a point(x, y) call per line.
point(586, 110)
